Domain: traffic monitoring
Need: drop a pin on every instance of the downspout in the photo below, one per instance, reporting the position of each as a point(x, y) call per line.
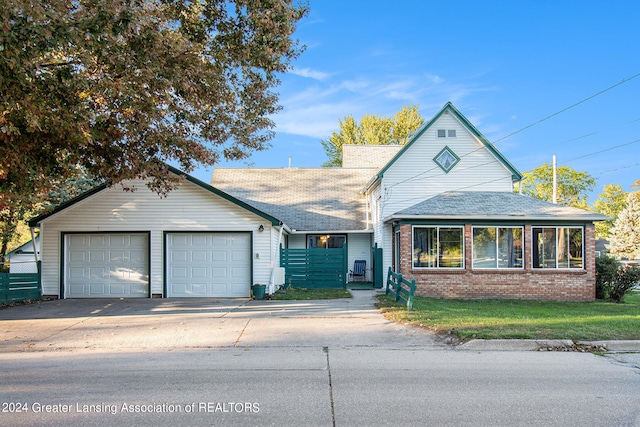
point(271, 289)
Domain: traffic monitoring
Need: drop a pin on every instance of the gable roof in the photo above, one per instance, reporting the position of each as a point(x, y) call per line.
point(449, 108)
point(25, 248)
point(306, 199)
point(488, 205)
point(274, 221)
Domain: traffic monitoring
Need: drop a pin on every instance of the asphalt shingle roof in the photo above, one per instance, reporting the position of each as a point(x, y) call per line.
point(368, 156)
point(309, 199)
point(494, 205)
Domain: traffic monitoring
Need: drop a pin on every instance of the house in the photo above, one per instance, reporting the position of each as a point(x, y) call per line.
point(441, 208)
point(22, 259)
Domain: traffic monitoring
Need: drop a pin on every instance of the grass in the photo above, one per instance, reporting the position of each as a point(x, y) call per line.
point(310, 293)
point(493, 319)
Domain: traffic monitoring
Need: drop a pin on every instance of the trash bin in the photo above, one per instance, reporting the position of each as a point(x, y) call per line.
point(258, 291)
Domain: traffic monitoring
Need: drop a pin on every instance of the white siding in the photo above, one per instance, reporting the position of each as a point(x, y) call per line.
point(415, 177)
point(359, 247)
point(188, 208)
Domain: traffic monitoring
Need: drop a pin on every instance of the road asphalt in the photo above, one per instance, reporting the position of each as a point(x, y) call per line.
point(299, 363)
point(223, 323)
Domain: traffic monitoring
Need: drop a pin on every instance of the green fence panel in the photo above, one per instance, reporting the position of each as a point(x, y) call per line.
point(315, 267)
point(378, 272)
point(15, 287)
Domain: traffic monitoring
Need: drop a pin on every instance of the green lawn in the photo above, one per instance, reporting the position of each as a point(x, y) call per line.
point(306, 294)
point(492, 319)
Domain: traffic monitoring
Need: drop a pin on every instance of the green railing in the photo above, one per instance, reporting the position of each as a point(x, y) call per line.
point(15, 287)
point(402, 288)
point(315, 268)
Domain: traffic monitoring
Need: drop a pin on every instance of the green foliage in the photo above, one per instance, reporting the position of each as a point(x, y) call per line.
point(624, 236)
point(121, 87)
point(572, 190)
point(614, 280)
point(372, 130)
point(611, 201)
point(606, 273)
point(626, 279)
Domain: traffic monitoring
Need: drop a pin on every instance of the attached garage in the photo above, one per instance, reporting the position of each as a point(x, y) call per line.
point(106, 265)
point(216, 264)
point(196, 242)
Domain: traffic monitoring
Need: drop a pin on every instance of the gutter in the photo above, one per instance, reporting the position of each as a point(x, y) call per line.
point(514, 217)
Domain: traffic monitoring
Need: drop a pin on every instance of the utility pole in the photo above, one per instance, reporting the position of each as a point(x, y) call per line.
point(555, 181)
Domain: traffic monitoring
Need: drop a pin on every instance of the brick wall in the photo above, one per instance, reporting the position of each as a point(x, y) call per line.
point(528, 283)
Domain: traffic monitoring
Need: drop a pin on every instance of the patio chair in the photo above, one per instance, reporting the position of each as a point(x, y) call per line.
point(359, 270)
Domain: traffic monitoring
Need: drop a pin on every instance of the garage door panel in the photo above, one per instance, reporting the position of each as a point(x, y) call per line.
point(199, 256)
point(218, 255)
point(106, 266)
point(204, 264)
point(95, 256)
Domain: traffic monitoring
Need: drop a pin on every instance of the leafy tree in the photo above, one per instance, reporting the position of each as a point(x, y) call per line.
point(13, 232)
point(572, 189)
point(372, 130)
point(119, 87)
point(624, 237)
point(610, 202)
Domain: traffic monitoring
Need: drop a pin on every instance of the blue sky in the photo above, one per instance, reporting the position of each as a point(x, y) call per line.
point(504, 64)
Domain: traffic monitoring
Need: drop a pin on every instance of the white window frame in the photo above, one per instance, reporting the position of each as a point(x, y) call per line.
point(497, 267)
point(556, 228)
point(437, 267)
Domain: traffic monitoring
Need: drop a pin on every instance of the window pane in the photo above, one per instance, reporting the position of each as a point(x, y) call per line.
point(575, 248)
point(544, 248)
point(563, 248)
point(451, 245)
point(326, 241)
point(484, 248)
point(335, 241)
point(510, 248)
point(425, 247)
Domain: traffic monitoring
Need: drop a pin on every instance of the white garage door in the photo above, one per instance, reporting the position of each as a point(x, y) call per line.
point(106, 265)
point(208, 264)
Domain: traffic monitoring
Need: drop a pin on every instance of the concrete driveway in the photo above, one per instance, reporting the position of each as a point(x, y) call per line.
point(203, 323)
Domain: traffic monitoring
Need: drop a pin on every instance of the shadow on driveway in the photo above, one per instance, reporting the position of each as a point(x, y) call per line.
point(202, 323)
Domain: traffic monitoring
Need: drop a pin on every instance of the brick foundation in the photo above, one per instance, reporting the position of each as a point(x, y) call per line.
point(528, 283)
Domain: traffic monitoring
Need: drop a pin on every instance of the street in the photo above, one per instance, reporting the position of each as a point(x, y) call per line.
point(272, 363)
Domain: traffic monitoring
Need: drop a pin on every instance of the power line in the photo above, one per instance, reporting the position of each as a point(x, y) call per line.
point(568, 108)
point(615, 170)
point(602, 151)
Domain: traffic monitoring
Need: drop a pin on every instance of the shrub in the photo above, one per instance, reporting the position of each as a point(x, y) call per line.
point(606, 271)
point(626, 279)
point(614, 281)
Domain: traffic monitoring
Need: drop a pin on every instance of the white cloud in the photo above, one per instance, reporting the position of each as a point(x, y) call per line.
point(310, 74)
point(314, 110)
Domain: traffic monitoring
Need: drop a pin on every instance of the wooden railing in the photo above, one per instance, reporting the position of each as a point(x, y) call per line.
point(402, 288)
